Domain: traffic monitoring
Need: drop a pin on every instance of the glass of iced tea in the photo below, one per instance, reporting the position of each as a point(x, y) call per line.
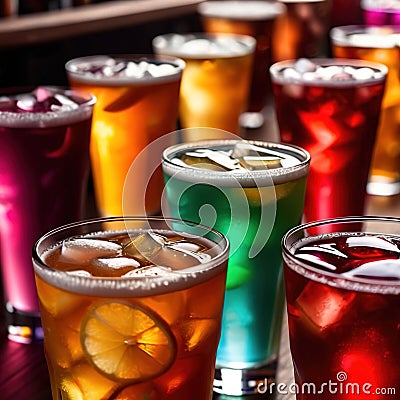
point(343, 302)
point(252, 192)
point(380, 44)
point(381, 12)
point(137, 102)
point(301, 31)
point(256, 19)
point(131, 308)
point(216, 81)
point(331, 107)
point(44, 169)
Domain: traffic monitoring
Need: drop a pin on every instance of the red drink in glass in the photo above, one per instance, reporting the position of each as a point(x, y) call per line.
point(343, 301)
point(331, 108)
point(44, 166)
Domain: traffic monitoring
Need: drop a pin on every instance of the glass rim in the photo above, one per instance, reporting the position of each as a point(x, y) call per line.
point(268, 175)
point(325, 62)
point(103, 80)
point(49, 119)
point(360, 284)
point(341, 36)
point(266, 11)
point(114, 284)
point(249, 41)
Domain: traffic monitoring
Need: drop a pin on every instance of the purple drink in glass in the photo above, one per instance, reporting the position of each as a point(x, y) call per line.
point(44, 168)
point(381, 12)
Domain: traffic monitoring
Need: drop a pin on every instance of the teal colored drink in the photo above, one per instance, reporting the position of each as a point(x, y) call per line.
point(252, 192)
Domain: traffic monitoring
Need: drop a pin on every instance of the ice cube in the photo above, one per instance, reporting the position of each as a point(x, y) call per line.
point(196, 331)
point(144, 246)
point(383, 269)
point(363, 73)
point(79, 272)
point(161, 70)
point(324, 305)
point(373, 245)
point(82, 250)
point(303, 65)
point(149, 271)
point(214, 158)
point(116, 262)
point(66, 101)
point(26, 102)
point(42, 93)
point(189, 249)
point(316, 260)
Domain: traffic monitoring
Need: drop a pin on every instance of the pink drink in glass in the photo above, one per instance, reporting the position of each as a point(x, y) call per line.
point(44, 167)
point(381, 12)
point(331, 108)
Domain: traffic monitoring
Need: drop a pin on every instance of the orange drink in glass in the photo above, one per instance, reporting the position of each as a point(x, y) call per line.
point(216, 81)
point(131, 308)
point(256, 19)
point(137, 102)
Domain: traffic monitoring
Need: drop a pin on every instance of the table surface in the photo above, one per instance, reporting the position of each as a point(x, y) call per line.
point(23, 370)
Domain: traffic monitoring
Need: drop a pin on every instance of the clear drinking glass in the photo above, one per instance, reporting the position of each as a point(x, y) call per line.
point(379, 44)
point(331, 107)
point(216, 81)
point(256, 19)
point(343, 302)
point(131, 307)
point(44, 169)
point(137, 102)
point(253, 192)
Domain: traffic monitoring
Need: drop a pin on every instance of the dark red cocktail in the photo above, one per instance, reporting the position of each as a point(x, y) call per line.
point(331, 108)
point(343, 301)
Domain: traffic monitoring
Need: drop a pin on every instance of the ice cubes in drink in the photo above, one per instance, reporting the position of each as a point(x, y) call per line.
point(380, 269)
point(81, 251)
point(152, 248)
point(324, 306)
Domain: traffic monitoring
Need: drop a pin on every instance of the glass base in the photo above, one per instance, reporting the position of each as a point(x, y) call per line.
point(381, 187)
point(23, 327)
point(239, 382)
point(251, 120)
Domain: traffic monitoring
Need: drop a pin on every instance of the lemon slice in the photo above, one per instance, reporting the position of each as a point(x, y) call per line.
point(126, 342)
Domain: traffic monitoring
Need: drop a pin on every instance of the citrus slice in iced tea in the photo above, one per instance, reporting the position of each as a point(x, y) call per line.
point(127, 343)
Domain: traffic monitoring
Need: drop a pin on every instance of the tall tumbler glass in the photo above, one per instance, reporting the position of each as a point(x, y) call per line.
point(216, 81)
point(137, 102)
point(381, 12)
point(256, 19)
point(379, 44)
point(253, 192)
point(44, 169)
point(343, 302)
point(302, 31)
point(331, 107)
point(131, 308)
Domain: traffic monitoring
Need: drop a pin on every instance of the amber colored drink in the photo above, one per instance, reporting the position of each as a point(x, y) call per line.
point(131, 308)
point(137, 102)
point(331, 108)
point(379, 44)
point(216, 81)
point(253, 18)
point(302, 30)
point(343, 302)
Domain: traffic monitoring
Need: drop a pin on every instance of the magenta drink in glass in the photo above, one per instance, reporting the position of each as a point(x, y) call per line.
point(331, 108)
point(381, 12)
point(44, 169)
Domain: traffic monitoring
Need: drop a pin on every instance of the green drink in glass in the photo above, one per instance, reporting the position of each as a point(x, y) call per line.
point(253, 192)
